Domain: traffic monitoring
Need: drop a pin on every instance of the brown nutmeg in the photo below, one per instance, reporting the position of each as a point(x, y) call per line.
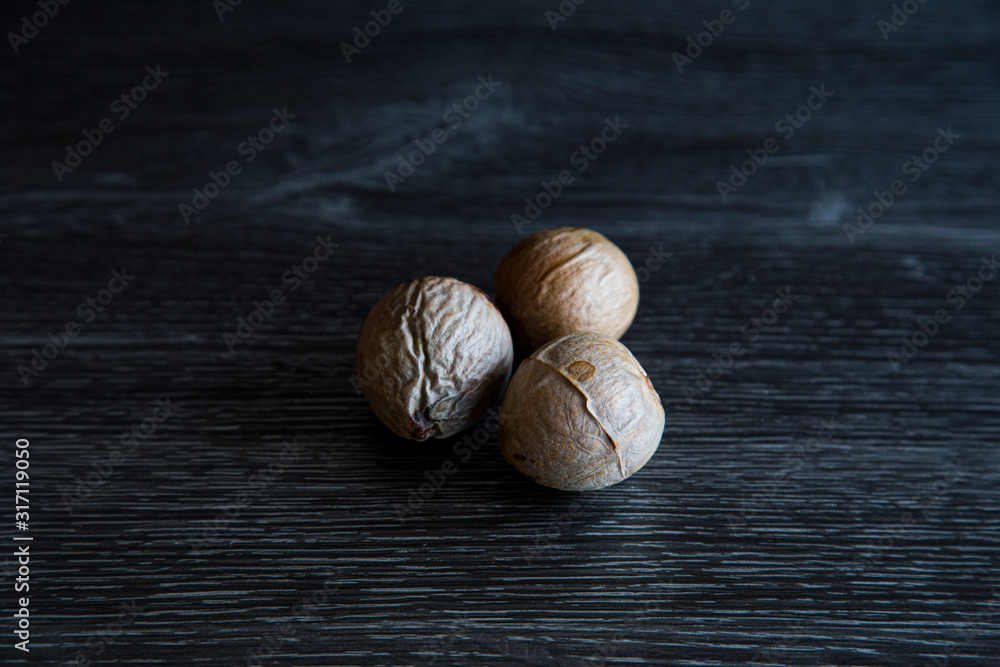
point(433, 355)
point(579, 414)
point(565, 280)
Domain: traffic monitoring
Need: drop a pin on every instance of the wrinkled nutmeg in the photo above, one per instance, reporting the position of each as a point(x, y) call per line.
point(565, 280)
point(433, 355)
point(579, 414)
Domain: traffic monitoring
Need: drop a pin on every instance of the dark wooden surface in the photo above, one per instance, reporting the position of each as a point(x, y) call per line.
point(743, 540)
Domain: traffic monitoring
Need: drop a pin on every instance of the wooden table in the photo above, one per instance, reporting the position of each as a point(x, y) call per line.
point(204, 494)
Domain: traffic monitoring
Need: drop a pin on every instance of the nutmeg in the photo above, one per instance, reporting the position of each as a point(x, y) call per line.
point(580, 413)
point(433, 355)
point(565, 280)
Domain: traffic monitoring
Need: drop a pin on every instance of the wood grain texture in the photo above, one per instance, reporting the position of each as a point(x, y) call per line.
point(758, 533)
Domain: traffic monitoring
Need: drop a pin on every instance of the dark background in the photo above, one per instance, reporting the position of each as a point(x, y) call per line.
point(753, 535)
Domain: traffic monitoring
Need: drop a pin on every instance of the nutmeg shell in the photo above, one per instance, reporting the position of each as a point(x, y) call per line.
point(580, 413)
point(565, 280)
point(433, 355)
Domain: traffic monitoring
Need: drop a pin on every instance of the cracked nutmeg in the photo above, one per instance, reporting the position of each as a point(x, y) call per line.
point(565, 280)
point(580, 413)
point(433, 355)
